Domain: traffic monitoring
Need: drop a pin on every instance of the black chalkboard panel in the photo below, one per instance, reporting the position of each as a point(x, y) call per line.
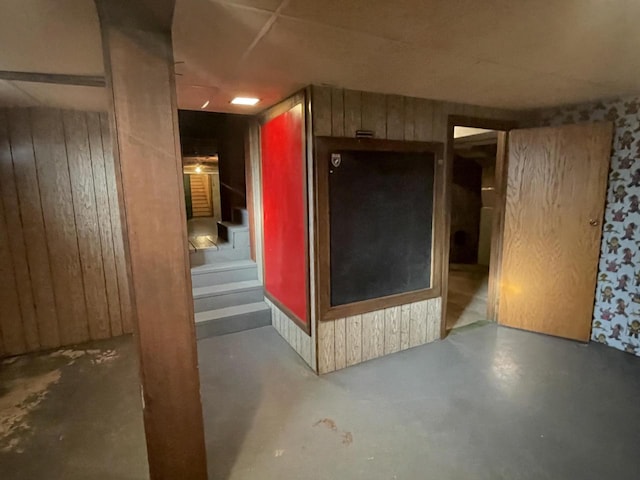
point(380, 223)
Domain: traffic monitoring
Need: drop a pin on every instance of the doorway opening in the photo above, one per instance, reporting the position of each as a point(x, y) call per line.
point(202, 199)
point(213, 160)
point(472, 210)
point(228, 295)
point(476, 155)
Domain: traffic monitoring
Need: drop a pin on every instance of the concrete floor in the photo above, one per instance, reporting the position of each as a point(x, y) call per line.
point(202, 232)
point(73, 414)
point(467, 300)
point(485, 403)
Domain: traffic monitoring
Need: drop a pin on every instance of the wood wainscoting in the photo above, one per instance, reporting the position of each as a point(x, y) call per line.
point(295, 336)
point(352, 340)
point(62, 261)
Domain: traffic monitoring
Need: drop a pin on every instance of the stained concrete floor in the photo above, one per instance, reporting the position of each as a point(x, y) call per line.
point(467, 299)
point(485, 403)
point(74, 413)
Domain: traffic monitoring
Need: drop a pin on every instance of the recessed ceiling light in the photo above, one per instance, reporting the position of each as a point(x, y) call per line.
point(204, 105)
point(245, 101)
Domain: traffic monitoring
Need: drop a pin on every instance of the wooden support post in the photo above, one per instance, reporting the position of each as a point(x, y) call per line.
point(141, 84)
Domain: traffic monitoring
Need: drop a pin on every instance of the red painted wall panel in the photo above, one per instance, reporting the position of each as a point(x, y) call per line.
point(284, 211)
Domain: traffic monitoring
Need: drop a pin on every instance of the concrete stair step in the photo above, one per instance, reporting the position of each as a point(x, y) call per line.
point(222, 252)
point(236, 234)
point(224, 272)
point(240, 216)
point(226, 320)
point(214, 297)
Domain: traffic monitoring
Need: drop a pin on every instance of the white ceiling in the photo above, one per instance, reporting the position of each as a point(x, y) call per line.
point(503, 53)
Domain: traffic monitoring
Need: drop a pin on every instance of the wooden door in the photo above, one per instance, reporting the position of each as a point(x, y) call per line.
point(556, 188)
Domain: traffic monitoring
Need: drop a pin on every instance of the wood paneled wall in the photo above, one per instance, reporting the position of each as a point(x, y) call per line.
point(338, 112)
point(352, 340)
point(297, 338)
point(62, 263)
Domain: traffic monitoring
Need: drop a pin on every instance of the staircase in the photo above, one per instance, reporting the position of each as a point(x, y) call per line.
point(227, 295)
point(201, 196)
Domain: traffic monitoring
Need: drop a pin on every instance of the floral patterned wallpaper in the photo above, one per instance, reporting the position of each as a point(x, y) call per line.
point(616, 319)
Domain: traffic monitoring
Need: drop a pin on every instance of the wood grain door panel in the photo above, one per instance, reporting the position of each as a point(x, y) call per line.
point(556, 188)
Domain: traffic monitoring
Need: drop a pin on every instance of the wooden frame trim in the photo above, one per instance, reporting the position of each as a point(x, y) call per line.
point(55, 78)
point(282, 107)
point(497, 228)
point(287, 311)
point(325, 311)
point(298, 98)
point(503, 127)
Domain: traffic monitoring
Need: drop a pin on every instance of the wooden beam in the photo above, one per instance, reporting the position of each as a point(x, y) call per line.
point(57, 78)
point(140, 82)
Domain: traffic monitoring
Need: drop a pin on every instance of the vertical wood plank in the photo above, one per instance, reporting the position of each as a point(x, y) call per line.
point(104, 223)
point(424, 120)
point(434, 318)
point(440, 120)
point(352, 112)
point(321, 108)
point(340, 343)
point(418, 324)
point(392, 329)
point(28, 189)
point(290, 332)
point(367, 336)
point(378, 334)
point(354, 339)
point(409, 118)
point(405, 321)
point(374, 114)
point(395, 117)
point(293, 334)
point(86, 217)
point(285, 326)
point(304, 347)
point(299, 341)
point(310, 347)
point(326, 347)
point(337, 112)
point(57, 207)
point(16, 238)
point(274, 315)
point(279, 321)
point(126, 307)
point(11, 329)
point(284, 331)
point(372, 335)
